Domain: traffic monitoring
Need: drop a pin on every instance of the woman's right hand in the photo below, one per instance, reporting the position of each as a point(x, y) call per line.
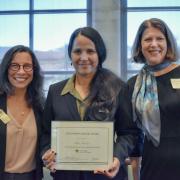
point(49, 159)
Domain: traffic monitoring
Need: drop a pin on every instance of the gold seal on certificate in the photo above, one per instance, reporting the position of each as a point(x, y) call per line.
point(82, 145)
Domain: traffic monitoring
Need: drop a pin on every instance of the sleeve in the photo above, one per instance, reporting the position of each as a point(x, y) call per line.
point(138, 149)
point(48, 115)
point(126, 130)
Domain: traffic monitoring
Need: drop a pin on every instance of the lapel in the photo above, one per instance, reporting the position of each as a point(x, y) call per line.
point(67, 102)
point(3, 106)
point(72, 107)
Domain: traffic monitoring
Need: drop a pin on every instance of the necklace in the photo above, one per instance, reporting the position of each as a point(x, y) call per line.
point(22, 113)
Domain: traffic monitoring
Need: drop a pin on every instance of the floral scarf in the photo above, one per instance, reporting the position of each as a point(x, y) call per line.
point(145, 102)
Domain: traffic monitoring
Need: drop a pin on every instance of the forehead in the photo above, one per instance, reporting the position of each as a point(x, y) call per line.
point(81, 41)
point(22, 57)
point(152, 31)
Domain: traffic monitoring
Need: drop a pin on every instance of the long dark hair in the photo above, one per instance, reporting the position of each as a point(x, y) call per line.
point(34, 95)
point(103, 97)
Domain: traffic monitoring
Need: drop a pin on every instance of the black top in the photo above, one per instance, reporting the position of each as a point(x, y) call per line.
point(163, 162)
point(64, 107)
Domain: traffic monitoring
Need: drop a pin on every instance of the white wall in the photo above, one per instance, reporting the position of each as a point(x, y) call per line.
point(106, 19)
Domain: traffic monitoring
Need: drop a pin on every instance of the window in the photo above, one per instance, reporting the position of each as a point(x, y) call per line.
point(45, 26)
point(134, 13)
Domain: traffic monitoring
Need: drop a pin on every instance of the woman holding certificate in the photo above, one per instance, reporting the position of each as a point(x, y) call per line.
point(93, 93)
point(155, 93)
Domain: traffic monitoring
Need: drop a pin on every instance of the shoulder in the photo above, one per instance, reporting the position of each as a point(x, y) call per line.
point(176, 71)
point(110, 78)
point(3, 98)
point(55, 89)
point(108, 73)
point(172, 74)
point(58, 86)
point(130, 84)
point(132, 80)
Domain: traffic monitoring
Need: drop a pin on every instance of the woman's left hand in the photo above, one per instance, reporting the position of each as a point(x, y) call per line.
point(111, 170)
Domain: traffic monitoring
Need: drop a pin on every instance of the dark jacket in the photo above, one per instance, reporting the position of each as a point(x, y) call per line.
point(3, 129)
point(64, 107)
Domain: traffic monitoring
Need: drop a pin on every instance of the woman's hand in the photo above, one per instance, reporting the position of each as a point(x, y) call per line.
point(111, 170)
point(136, 166)
point(49, 160)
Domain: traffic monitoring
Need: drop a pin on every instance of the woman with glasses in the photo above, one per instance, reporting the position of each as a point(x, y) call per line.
point(21, 103)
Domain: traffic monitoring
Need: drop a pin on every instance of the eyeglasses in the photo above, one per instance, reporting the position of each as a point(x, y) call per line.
point(16, 67)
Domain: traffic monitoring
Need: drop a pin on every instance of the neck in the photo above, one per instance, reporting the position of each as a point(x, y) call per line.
point(158, 67)
point(18, 106)
point(19, 94)
point(83, 81)
point(82, 84)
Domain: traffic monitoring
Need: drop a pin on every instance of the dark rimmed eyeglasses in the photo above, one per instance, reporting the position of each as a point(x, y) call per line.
point(16, 67)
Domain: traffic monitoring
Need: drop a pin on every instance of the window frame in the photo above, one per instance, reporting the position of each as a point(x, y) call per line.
point(123, 34)
point(31, 12)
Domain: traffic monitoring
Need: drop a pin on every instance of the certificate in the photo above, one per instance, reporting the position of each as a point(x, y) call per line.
point(82, 145)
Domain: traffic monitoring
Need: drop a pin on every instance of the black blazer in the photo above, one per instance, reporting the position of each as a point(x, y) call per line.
point(3, 129)
point(64, 107)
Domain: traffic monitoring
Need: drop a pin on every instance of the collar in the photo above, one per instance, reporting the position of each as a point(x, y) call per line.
point(69, 87)
point(157, 67)
point(166, 70)
point(160, 69)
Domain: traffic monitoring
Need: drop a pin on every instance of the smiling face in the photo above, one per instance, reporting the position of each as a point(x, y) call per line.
point(84, 56)
point(20, 79)
point(154, 46)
